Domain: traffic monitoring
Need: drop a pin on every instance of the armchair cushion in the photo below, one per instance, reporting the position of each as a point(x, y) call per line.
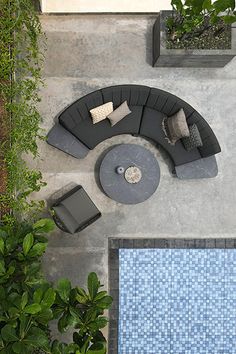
point(75, 211)
point(66, 218)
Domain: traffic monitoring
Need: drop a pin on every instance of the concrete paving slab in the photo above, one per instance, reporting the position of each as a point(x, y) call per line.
point(87, 52)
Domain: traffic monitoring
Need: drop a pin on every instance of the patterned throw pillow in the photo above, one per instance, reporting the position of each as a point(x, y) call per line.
point(101, 112)
point(119, 113)
point(193, 140)
point(177, 127)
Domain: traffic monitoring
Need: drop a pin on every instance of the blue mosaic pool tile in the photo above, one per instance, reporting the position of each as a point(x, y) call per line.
point(177, 301)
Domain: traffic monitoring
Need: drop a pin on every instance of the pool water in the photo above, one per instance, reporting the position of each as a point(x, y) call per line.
point(177, 301)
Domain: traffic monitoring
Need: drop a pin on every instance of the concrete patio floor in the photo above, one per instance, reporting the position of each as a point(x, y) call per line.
point(87, 52)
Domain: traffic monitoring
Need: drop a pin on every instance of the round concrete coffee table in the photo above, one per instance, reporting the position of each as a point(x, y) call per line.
point(129, 174)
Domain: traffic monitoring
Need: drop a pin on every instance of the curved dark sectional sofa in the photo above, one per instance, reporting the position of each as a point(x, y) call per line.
point(149, 106)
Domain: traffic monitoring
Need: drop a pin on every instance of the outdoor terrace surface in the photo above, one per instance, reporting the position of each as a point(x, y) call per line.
point(87, 52)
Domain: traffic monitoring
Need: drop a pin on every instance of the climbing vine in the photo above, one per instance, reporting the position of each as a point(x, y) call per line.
point(20, 78)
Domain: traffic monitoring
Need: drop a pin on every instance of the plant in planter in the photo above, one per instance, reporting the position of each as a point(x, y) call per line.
point(28, 302)
point(197, 33)
point(202, 24)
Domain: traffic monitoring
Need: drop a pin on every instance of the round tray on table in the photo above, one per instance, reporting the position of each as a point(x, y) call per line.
point(129, 173)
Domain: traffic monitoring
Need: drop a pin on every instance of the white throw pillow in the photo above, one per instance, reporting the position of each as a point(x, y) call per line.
point(101, 112)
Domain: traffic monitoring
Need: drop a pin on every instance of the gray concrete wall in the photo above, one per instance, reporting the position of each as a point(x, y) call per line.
point(88, 52)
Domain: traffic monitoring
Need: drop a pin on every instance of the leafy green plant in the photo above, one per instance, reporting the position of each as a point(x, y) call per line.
point(192, 17)
point(28, 302)
point(26, 299)
point(84, 311)
point(20, 79)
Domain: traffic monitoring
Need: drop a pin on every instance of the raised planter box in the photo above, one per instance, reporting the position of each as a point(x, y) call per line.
point(199, 58)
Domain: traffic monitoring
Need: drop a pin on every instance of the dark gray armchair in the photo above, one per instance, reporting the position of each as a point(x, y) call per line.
point(75, 211)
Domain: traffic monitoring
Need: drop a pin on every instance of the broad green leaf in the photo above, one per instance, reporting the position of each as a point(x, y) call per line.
point(32, 309)
point(38, 294)
point(64, 288)
point(2, 293)
point(81, 299)
point(11, 270)
point(99, 323)
point(13, 312)
point(2, 245)
point(15, 299)
point(72, 321)
point(2, 267)
point(78, 338)
point(20, 257)
point(37, 250)
point(24, 300)
point(105, 302)
point(58, 348)
point(57, 312)
point(99, 337)
point(207, 5)
point(81, 296)
point(9, 334)
point(45, 316)
point(97, 348)
point(100, 295)
point(62, 323)
point(229, 19)
point(3, 233)
point(24, 323)
point(28, 243)
point(102, 322)
point(38, 339)
point(11, 243)
point(32, 269)
point(19, 347)
point(55, 347)
point(93, 285)
point(81, 291)
point(76, 314)
point(44, 225)
point(72, 348)
point(48, 298)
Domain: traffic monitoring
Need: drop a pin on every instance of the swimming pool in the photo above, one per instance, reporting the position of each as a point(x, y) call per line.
point(177, 301)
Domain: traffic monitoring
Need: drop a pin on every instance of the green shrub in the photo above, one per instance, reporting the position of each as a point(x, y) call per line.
point(28, 302)
point(20, 78)
point(192, 17)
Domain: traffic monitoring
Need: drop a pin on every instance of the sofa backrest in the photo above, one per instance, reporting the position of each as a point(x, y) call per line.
point(136, 95)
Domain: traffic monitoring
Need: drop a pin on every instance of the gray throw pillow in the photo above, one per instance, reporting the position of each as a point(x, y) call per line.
point(119, 113)
point(193, 140)
point(177, 126)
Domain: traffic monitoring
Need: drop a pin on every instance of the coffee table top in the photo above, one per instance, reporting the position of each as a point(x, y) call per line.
point(129, 173)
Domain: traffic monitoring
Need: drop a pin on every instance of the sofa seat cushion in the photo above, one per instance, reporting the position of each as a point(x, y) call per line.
point(92, 134)
point(211, 145)
point(151, 127)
